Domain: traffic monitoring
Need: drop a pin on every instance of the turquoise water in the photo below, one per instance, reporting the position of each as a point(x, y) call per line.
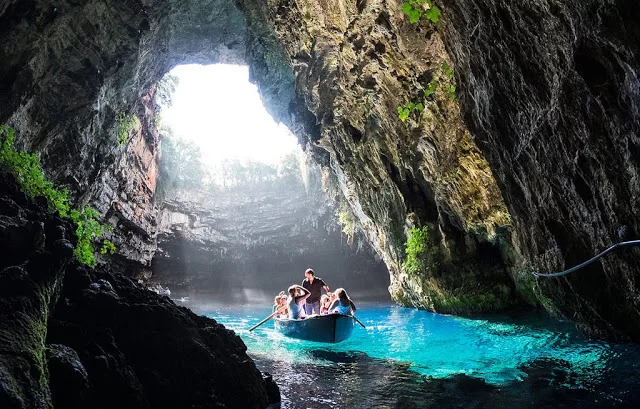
point(422, 347)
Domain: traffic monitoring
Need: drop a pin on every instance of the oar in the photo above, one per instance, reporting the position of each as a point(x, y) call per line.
point(358, 321)
point(266, 319)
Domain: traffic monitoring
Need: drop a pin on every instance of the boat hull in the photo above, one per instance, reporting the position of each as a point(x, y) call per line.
point(330, 328)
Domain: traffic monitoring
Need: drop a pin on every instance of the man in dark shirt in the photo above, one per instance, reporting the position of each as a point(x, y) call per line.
point(314, 285)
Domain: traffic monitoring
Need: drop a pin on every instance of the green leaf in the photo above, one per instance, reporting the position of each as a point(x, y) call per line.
point(419, 107)
point(404, 114)
point(431, 88)
point(447, 70)
point(406, 8)
point(433, 14)
point(414, 15)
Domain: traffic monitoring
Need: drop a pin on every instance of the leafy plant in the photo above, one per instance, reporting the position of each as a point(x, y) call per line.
point(107, 247)
point(448, 82)
point(27, 169)
point(405, 110)
point(125, 125)
point(414, 9)
point(415, 248)
point(450, 87)
point(432, 87)
point(447, 70)
point(165, 88)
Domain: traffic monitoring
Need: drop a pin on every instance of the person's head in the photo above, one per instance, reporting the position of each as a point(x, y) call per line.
point(342, 295)
point(324, 299)
point(309, 274)
point(293, 290)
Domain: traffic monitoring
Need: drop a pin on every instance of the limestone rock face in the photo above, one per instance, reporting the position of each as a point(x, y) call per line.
point(354, 63)
point(71, 69)
point(531, 167)
point(31, 275)
point(75, 338)
point(140, 350)
point(551, 92)
point(259, 239)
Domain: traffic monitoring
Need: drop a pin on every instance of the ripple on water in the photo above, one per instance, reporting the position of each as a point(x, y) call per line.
point(420, 346)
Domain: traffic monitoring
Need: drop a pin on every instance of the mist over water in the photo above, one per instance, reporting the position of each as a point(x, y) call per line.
point(410, 358)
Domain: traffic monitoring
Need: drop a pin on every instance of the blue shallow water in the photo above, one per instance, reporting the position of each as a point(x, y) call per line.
point(410, 347)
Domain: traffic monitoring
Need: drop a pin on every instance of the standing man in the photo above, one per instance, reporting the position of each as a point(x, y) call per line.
point(314, 285)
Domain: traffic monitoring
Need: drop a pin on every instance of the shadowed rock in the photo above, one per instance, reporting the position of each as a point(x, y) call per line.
point(110, 342)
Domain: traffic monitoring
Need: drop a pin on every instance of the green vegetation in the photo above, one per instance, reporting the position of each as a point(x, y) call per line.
point(447, 81)
point(449, 86)
point(408, 109)
point(125, 125)
point(470, 303)
point(446, 78)
point(27, 169)
point(180, 165)
point(165, 88)
point(107, 247)
point(414, 9)
point(416, 250)
point(432, 87)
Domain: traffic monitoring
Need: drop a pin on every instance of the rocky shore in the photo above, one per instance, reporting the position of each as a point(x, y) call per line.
point(78, 337)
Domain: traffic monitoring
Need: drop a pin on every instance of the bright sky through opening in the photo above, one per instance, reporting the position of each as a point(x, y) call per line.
point(217, 108)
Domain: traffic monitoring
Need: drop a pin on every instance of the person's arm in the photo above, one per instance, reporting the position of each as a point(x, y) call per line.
point(302, 298)
point(333, 305)
point(325, 286)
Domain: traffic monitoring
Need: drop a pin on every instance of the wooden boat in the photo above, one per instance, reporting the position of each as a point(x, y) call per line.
point(319, 328)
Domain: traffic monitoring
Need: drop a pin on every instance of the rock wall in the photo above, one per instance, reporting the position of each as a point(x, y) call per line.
point(249, 243)
point(551, 93)
point(76, 338)
point(71, 69)
point(532, 167)
point(354, 63)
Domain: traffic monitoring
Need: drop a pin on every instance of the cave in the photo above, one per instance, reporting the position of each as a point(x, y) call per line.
point(489, 162)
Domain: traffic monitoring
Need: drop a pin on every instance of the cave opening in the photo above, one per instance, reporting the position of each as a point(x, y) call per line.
point(243, 210)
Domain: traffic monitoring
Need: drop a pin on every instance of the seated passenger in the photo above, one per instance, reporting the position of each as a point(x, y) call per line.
point(280, 304)
point(343, 305)
point(325, 302)
point(295, 302)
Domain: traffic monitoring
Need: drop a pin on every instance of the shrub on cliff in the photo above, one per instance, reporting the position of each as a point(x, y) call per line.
point(27, 169)
point(416, 249)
